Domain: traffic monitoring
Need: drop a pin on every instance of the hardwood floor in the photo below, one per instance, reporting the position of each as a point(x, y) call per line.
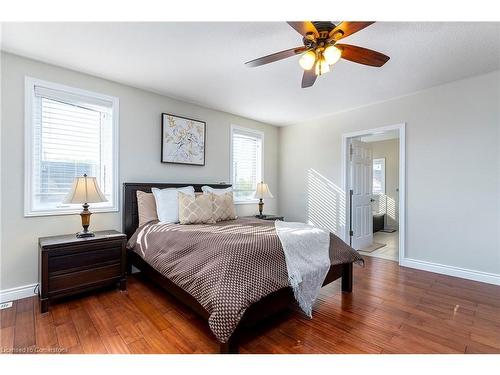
point(391, 310)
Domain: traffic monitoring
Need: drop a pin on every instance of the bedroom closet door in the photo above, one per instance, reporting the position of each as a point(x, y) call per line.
point(361, 181)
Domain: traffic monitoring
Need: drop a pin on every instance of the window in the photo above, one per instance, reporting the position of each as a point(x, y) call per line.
point(246, 162)
point(69, 132)
point(379, 176)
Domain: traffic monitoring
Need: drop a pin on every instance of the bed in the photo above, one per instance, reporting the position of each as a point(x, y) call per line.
point(265, 306)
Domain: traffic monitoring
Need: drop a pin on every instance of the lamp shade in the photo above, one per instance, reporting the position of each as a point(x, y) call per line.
point(85, 190)
point(263, 191)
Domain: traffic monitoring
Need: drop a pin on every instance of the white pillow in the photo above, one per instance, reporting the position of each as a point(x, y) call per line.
point(207, 190)
point(167, 202)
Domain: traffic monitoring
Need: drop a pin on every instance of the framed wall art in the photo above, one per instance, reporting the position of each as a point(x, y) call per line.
point(182, 140)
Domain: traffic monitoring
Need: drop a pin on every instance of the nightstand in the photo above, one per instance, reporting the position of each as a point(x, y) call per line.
point(270, 217)
point(69, 265)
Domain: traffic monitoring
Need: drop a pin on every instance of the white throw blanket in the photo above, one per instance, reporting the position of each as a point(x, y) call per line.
point(307, 259)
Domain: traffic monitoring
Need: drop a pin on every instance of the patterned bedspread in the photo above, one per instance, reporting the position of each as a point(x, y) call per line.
point(226, 266)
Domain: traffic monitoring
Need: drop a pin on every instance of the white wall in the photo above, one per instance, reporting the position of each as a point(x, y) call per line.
point(452, 170)
point(388, 203)
point(140, 129)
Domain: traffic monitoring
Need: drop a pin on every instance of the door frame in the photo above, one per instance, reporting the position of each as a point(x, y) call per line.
point(402, 179)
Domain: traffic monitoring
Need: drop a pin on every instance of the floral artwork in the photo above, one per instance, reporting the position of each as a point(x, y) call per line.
point(183, 140)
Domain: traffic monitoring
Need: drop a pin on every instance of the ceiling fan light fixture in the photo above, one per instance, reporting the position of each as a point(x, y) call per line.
point(320, 48)
point(307, 60)
point(332, 54)
point(322, 67)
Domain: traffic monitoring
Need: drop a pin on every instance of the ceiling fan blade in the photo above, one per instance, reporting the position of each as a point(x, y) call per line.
point(276, 56)
point(308, 78)
point(304, 27)
point(362, 55)
point(348, 28)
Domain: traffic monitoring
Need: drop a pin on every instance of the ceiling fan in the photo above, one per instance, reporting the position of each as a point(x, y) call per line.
point(321, 49)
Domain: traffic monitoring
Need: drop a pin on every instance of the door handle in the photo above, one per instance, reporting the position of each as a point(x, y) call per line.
point(372, 200)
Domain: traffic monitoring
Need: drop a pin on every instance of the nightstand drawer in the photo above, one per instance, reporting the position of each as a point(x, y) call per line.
point(71, 262)
point(68, 249)
point(74, 280)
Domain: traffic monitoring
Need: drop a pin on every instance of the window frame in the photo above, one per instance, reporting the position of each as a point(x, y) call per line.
point(257, 133)
point(29, 93)
point(380, 161)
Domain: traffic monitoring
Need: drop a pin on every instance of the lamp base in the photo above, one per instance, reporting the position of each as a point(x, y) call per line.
point(261, 207)
point(260, 216)
point(85, 234)
point(85, 215)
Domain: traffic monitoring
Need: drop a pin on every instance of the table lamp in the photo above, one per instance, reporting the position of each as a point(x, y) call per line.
point(85, 190)
point(261, 193)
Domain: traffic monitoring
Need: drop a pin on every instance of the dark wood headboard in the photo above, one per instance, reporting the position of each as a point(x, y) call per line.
point(130, 215)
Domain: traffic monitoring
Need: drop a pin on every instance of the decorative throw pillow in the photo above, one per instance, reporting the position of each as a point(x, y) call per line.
point(223, 207)
point(167, 202)
point(207, 190)
point(195, 209)
point(146, 207)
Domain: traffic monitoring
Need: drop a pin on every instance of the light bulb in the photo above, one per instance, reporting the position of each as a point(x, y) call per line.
point(332, 54)
point(307, 60)
point(322, 67)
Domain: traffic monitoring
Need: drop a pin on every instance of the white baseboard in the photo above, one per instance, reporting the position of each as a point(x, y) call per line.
point(485, 277)
point(17, 293)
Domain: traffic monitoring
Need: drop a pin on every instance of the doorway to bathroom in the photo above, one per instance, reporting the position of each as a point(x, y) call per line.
point(374, 175)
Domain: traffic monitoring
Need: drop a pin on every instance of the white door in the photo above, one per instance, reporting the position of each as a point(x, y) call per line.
point(361, 181)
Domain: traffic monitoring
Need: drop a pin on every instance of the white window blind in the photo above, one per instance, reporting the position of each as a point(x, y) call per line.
point(71, 134)
point(246, 163)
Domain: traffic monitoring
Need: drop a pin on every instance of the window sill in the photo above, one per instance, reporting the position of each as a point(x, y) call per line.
point(250, 201)
point(69, 212)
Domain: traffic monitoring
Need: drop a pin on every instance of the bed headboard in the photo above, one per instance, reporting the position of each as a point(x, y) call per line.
point(130, 215)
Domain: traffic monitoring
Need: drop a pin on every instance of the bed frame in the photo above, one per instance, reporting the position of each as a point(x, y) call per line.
point(266, 307)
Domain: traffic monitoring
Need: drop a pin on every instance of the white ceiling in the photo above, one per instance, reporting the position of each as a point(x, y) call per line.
point(203, 62)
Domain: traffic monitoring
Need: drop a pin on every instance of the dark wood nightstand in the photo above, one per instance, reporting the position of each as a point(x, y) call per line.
point(270, 217)
point(70, 265)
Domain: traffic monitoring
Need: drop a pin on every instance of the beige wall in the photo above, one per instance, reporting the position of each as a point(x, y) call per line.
point(388, 203)
point(140, 126)
point(452, 170)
